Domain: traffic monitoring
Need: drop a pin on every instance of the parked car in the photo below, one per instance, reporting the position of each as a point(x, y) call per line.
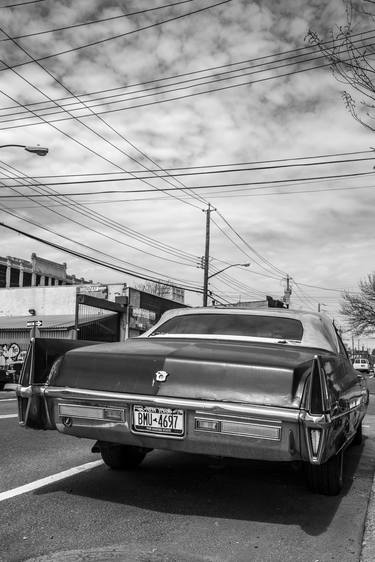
point(361, 364)
point(272, 385)
point(4, 377)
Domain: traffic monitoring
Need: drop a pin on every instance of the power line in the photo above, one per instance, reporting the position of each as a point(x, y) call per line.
point(150, 242)
point(7, 211)
point(73, 26)
point(106, 111)
point(202, 173)
point(240, 248)
point(207, 165)
point(266, 184)
point(97, 262)
point(88, 127)
point(251, 248)
point(280, 58)
point(22, 4)
point(101, 41)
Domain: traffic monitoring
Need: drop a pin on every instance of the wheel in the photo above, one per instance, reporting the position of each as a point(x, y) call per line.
point(357, 440)
point(326, 478)
point(122, 457)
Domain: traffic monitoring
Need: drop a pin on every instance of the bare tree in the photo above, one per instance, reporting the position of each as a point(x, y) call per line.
point(360, 308)
point(351, 53)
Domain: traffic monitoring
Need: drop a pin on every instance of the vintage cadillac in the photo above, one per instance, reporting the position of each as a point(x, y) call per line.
point(272, 385)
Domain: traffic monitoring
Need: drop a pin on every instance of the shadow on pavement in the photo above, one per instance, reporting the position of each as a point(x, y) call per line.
point(197, 485)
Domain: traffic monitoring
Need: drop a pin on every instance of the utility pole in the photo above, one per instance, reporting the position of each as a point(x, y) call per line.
point(287, 291)
point(208, 212)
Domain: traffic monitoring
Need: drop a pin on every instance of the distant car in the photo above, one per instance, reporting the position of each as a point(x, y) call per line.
point(4, 377)
point(361, 365)
point(270, 385)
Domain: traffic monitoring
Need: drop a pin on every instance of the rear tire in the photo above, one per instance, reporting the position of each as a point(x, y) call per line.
point(122, 457)
point(326, 478)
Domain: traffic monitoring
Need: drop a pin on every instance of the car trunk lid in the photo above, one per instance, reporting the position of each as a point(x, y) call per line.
point(205, 369)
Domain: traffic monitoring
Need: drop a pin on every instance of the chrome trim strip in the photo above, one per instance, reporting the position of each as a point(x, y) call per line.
point(234, 417)
point(274, 432)
point(90, 412)
point(272, 412)
point(245, 429)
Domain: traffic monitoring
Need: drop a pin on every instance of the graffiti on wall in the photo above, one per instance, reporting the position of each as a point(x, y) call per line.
point(9, 353)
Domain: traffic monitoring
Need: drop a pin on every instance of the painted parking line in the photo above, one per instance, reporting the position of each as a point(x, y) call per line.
point(48, 480)
point(6, 416)
point(8, 399)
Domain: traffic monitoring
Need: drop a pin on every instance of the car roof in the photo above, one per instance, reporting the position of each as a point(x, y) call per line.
point(318, 329)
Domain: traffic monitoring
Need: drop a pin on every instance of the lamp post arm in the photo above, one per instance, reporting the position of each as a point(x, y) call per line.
point(227, 267)
point(39, 150)
point(11, 145)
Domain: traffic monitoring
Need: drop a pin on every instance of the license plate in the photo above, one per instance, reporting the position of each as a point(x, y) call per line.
point(165, 421)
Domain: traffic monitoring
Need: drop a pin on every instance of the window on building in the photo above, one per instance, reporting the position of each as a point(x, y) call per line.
point(3, 273)
point(14, 277)
point(26, 279)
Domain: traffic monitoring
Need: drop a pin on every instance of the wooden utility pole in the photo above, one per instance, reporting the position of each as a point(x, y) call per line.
point(206, 254)
point(287, 291)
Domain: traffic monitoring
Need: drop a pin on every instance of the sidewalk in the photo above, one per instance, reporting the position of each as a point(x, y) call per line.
point(368, 542)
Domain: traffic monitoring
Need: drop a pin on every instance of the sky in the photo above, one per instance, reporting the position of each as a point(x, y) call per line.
point(220, 99)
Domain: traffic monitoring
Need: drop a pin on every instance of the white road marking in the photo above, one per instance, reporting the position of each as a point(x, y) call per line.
point(48, 480)
point(8, 399)
point(5, 416)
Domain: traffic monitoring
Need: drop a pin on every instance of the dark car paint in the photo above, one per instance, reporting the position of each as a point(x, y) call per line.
point(236, 371)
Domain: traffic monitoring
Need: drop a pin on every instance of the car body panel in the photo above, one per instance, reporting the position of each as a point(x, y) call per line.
point(239, 396)
point(209, 370)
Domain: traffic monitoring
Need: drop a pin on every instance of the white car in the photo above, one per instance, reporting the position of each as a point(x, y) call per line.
point(361, 364)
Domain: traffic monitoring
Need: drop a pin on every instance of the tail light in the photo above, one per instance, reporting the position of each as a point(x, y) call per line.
point(318, 403)
point(316, 416)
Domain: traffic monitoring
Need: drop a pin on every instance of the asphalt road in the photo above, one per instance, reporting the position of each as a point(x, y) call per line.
point(175, 507)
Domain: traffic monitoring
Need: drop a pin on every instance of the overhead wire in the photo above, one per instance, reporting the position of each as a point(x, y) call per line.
point(240, 248)
point(189, 258)
point(267, 184)
point(86, 246)
point(90, 128)
point(111, 224)
point(208, 172)
point(210, 165)
point(102, 20)
point(147, 104)
point(96, 261)
point(86, 105)
point(22, 4)
point(126, 34)
point(17, 45)
point(250, 247)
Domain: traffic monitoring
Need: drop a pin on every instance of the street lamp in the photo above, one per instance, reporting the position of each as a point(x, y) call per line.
point(39, 150)
point(205, 291)
point(228, 266)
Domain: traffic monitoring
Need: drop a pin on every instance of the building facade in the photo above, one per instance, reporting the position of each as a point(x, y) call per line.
point(38, 272)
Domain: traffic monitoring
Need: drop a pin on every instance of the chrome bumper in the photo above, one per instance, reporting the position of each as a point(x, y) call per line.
point(239, 430)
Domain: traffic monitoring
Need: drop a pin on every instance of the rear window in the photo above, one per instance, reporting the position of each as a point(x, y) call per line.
point(233, 325)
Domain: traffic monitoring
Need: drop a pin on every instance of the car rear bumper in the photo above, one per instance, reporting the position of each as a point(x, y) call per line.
point(217, 428)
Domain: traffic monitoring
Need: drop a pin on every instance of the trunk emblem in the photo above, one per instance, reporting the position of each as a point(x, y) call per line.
point(160, 376)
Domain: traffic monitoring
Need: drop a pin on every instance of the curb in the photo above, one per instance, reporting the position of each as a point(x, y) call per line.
point(368, 541)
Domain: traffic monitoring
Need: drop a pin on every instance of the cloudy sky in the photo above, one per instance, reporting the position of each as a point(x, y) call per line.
point(224, 102)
